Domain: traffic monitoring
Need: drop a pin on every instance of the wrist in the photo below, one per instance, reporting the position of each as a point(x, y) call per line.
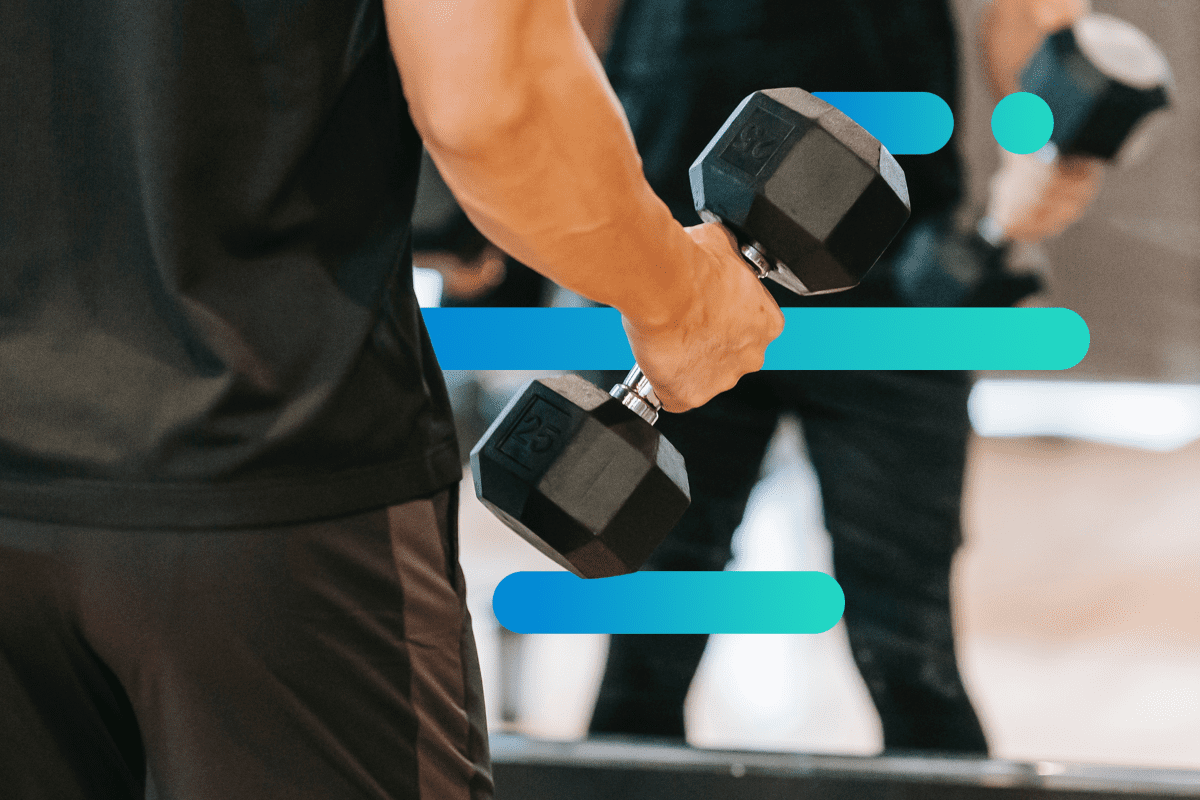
point(662, 289)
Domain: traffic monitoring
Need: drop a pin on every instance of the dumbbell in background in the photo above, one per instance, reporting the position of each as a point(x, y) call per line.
point(1090, 92)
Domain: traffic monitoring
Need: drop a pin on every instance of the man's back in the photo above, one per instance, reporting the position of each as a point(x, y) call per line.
point(206, 315)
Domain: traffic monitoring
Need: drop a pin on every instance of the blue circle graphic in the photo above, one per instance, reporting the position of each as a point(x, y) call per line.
point(1022, 123)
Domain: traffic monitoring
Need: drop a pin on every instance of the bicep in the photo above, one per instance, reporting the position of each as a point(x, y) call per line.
point(462, 62)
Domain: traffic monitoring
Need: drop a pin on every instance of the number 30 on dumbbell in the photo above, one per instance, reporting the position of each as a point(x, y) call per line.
point(813, 200)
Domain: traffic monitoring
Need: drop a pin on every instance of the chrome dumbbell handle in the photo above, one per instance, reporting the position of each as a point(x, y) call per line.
point(636, 394)
point(757, 261)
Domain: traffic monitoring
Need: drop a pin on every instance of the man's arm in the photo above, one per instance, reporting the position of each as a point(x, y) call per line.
point(597, 18)
point(1031, 200)
point(515, 111)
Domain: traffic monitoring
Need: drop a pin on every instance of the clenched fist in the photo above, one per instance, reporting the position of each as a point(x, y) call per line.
point(1032, 200)
point(721, 334)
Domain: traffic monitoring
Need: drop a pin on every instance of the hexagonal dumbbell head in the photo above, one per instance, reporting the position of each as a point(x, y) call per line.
point(1101, 79)
point(581, 477)
point(805, 186)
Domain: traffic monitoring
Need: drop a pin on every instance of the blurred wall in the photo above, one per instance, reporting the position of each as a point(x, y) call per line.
point(1131, 268)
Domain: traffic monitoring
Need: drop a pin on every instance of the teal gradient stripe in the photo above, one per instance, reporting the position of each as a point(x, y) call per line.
point(813, 338)
point(907, 123)
point(930, 338)
point(669, 602)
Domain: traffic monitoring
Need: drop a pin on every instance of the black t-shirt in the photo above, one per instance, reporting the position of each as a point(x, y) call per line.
point(206, 305)
point(680, 67)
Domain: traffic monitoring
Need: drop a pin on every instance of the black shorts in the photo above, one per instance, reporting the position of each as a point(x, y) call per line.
point(326, 660)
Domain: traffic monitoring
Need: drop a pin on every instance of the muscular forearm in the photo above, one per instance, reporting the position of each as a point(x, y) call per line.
point(1010, 31)
point(597, 18)
point(514, 109)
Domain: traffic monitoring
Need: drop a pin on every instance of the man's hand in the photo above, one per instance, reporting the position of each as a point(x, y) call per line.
point(721, 334)
point(1032, 200)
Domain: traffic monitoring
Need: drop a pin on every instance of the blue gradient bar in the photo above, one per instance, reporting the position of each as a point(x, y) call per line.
point(669, 602)
point(528, 338)
point(813, 338)
point(907, 123)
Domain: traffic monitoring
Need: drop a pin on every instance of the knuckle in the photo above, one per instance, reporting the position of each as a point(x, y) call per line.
point(697, 399)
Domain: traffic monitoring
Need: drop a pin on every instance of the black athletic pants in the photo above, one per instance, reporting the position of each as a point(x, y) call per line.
point(889, 450)
point(321, 661)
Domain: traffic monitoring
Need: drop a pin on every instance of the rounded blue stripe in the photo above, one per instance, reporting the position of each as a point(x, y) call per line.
point(907, 123)
point(813, 338)
point(528, 338)
point(669, 602)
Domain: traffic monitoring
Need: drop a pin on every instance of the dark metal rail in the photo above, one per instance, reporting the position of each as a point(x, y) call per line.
point(630, 769)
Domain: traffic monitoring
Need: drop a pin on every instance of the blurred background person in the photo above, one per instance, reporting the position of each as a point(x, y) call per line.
point(889, 448)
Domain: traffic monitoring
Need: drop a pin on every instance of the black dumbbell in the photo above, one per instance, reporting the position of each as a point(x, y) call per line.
point(582, 474)
point(1103, 80)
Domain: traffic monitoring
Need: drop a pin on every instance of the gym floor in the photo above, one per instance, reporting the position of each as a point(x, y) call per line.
point(1077, 598)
